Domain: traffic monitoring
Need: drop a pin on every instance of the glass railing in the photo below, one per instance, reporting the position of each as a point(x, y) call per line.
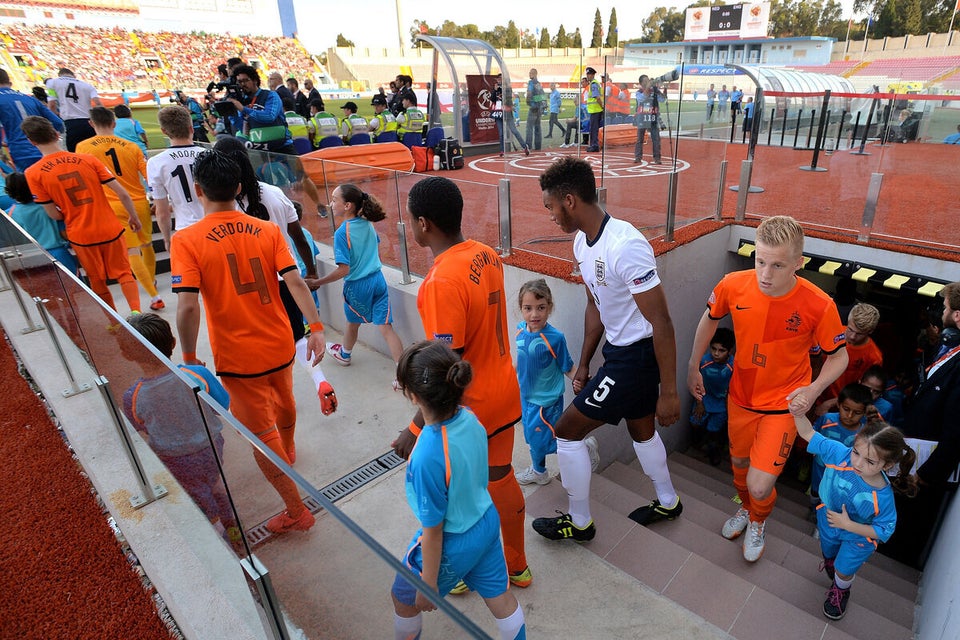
point(849, 163)
point(207, 458)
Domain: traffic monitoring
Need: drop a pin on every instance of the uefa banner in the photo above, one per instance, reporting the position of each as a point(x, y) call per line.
point(483, 128)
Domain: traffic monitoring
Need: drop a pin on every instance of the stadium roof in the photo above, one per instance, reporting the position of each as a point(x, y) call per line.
point(122, 6)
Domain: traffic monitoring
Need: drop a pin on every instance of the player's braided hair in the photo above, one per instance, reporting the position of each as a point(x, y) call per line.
point(249, 185)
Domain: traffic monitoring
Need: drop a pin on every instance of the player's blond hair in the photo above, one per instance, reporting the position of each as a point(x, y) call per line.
point(779, 231)
point(175, 121)
point(865, 317)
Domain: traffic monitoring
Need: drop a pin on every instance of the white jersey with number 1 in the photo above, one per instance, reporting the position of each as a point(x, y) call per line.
point(170, 176)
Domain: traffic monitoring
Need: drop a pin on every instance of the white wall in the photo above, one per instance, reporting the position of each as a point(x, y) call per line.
point(939, 618)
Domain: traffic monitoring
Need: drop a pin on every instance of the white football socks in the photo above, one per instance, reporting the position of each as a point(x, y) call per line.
point(574, 461)
point(653, 458)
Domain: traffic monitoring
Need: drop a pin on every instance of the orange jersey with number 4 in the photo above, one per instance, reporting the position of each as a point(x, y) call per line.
point(233, 260)
point(462, 302)
point(774, 336)
point(124, 159)
point(73, 182)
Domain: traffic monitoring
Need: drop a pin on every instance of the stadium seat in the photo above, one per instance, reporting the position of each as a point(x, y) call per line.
point(302, 146)
point(359, 138)
point(388, 136)
point(412, 140)
point(434, 136)
point(332, 141)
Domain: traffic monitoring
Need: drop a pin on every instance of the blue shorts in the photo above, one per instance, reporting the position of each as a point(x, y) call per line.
point(626, 386)
point(366, 300)
point(848, 550)
point(538, 424)
point(712, 422)
point(474, 556)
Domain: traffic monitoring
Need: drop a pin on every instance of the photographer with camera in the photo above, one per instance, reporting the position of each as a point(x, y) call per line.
point(262, 112)
point(648, 117)
point(197, 116)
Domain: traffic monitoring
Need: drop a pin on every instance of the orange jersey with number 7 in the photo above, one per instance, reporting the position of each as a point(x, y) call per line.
point(774, 336)
point(462, 302)
point(233, 260)
point(73, 182)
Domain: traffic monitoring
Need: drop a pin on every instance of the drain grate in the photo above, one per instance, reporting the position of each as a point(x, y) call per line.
point(336, 490)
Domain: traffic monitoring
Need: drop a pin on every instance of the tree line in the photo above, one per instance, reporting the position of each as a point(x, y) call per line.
point(893, 18)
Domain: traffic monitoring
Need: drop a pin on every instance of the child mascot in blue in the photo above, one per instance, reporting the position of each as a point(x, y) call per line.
point(446, 487)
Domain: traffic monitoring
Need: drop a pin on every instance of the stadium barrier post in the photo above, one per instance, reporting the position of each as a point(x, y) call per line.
point(866, 128)
point(870, 208)
point(773, 115)
point(671, 206)
point(149, 492)
point(746, 167)
point(504, 205)
point(274, 624)
point(733, 126)
point(718, 214)
point(31, 327)
point(74, 387)
point(783, 125)
point(887, 112)
point(813, 116)
point(843, 117)
point(821, 134)
point(796, 129)
point(856, 129)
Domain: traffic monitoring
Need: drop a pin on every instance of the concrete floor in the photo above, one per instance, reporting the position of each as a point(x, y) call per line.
point(328, 583)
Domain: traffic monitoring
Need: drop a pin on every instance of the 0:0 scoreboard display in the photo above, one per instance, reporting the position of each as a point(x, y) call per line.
point(744, 20)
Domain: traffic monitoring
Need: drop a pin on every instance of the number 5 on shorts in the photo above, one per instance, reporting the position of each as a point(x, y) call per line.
point(601, 392)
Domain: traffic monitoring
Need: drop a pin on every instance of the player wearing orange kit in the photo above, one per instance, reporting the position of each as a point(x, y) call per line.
point(462, 302)
point(68, 185)
point(776, 317)
point(126, 161)
point(233, 260)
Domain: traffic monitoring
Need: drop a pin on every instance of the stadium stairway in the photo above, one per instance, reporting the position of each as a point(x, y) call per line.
point(688, 561)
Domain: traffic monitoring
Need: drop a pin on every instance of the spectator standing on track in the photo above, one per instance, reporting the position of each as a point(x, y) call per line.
point(711, 102)
point(723, 100)
point(556, 103)
point(536, 101)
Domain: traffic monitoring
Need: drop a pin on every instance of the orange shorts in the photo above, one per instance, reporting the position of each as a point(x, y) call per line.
point(264, 402)
point(765, 438)
point(500, 446)
point(145, 235)
point(107, 261)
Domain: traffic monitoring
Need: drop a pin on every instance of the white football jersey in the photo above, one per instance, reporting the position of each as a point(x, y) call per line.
point(617, 264)
point(170, 176)
point(73, 97)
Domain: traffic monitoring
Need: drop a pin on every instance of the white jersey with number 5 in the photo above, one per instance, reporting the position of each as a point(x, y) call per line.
point(170, 176)
point(617, 264)
point(73, 97)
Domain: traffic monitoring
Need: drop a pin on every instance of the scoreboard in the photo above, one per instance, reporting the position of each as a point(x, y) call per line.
point(745, 20)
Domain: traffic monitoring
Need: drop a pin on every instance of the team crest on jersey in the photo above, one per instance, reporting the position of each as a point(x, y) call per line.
point(794, 322)
point(443, 337)
point(600, 270)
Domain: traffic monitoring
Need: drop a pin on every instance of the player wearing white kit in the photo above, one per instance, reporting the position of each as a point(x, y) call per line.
point(170, 173)
point(71, 99)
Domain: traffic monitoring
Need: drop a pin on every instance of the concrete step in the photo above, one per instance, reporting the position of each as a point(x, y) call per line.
point(705, 589)
point(788, 571)
point(790, 501)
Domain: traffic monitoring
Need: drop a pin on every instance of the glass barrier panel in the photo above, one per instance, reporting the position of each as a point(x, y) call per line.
point(917, 197)
point(333, 579)
point(818, 187)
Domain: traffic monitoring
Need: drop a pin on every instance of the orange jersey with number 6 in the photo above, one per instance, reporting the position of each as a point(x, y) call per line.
point(73, 182)
point(233, 260)
point(774, 336)
point(462, 302)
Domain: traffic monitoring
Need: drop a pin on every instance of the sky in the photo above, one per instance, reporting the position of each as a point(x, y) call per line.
point(375, 23)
